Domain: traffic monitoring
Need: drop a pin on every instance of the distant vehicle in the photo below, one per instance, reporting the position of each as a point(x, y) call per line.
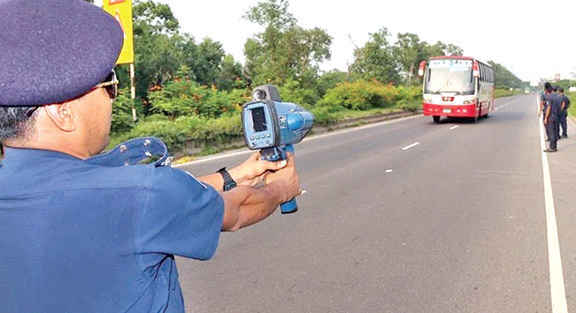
point(457, 86)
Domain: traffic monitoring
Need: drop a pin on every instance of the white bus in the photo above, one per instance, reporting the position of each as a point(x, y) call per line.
point(457, 86)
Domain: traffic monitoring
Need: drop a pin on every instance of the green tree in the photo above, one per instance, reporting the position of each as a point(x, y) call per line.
point(155, 50)
point(408, 50)
point(453, 50)
point(284, 50)
point(330, 80)
point(189, 49)
point(206, 65)
point(231, 75)
point(503, 78)
point(161, 51)
point(153, 18)
point(376, 59)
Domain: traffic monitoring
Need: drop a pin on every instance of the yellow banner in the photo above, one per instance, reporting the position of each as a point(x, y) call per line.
point(122, 12)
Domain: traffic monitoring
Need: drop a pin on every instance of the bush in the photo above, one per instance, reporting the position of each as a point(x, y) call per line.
point(185, 97)
point(187, 115)
point(499, 93)
point(174, 137)
point(293, 92)
point(572, 108)
point(218, 131)
point(409, 105)
point(362, 95)
point(122, 113)
point(187, 131)
point(325, 116)
point(239, 97)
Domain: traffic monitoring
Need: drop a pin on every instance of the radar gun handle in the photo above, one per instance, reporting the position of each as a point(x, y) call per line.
point(278, 154)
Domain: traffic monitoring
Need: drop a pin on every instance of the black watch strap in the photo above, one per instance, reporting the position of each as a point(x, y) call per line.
point(229, 183)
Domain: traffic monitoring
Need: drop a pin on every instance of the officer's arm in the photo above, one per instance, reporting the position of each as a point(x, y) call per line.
point(249, 173)
point(246, 205)
point(547, 114)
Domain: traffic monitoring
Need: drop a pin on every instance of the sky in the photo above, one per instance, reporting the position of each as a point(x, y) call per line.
point(516, 34)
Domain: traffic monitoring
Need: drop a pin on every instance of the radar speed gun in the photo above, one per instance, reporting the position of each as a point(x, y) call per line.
point(274, 127)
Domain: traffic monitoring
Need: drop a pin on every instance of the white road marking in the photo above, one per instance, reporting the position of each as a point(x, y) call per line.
point(453, 127)
point(411, 146)
point(557, 290)
point(389, 171)
point(246, 151)
point(243, 151)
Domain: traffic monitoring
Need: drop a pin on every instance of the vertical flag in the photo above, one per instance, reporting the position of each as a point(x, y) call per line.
point(122, 12)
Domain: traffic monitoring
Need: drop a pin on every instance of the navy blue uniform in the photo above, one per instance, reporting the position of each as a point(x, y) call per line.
point(544, 99)
point(552, 113)
point(563, 115)
point(79, 236)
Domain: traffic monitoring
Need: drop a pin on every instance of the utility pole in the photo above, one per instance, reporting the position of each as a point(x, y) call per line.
point(347, 64)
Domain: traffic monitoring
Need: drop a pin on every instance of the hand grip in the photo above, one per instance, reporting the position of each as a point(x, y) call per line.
point(291, 206)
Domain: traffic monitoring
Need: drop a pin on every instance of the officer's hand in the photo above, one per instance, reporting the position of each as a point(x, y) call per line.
point(287, 179)
point(254, 170)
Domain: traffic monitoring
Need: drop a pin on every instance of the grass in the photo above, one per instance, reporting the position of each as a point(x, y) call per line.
point(572, 108)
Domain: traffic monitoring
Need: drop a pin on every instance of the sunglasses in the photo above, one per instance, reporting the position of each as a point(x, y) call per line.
point(110, 84)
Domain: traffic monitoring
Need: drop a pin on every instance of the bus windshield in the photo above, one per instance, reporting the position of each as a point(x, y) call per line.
point(449, 76)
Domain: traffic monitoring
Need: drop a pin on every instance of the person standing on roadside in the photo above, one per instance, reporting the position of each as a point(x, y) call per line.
point(544, 99)
point(551, 118)
point(563, 113)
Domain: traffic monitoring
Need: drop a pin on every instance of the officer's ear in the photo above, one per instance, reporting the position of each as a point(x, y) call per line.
point(61, 115)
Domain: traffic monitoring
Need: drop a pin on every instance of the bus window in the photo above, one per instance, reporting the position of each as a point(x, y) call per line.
point(449, 76)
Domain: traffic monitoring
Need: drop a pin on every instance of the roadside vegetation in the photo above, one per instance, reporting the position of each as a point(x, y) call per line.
point(572, 108)
point(190, 93)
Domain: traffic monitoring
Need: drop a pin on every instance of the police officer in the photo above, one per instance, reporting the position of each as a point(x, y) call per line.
point(81, 232)
point(543, 99)
point(563, 113)
point(551, 118)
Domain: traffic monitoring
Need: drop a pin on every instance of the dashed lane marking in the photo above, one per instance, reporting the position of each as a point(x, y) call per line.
point(411, 146)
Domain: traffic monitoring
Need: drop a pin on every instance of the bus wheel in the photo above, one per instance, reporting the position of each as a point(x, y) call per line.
point(436, 118)
point(488, 110)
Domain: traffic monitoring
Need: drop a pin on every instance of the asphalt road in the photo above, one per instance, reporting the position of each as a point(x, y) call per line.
point(407, 216)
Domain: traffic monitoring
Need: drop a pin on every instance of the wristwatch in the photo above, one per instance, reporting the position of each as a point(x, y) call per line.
point(229, 183)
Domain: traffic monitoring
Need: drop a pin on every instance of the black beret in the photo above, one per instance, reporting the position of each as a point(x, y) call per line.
point(54, 50)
